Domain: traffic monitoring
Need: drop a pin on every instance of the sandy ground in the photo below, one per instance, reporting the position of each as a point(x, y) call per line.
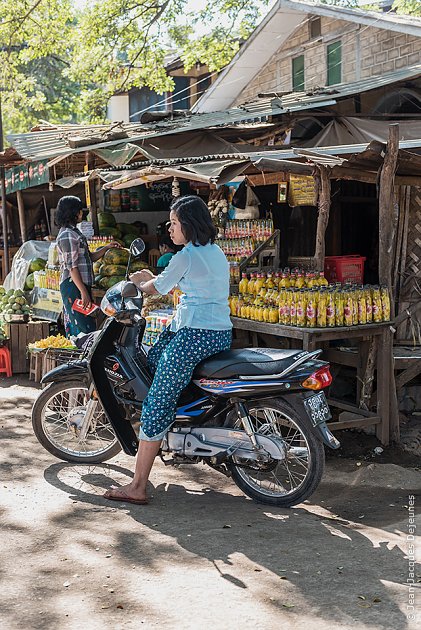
point(201, 554)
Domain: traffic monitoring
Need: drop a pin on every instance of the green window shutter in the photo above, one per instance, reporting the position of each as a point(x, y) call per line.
point(298, 74)
point(334, 63)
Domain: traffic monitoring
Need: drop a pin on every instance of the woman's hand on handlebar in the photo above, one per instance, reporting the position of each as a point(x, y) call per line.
point(139, 277)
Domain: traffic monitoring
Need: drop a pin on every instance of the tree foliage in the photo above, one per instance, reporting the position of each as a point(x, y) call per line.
point(61, 60)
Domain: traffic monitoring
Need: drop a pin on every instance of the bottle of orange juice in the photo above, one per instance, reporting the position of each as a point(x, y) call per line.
point(321, 280)
point(243, 286)
point(233, 305)
point(269, 284)
point(259, 283)
point(251, 283)
point(284, 281)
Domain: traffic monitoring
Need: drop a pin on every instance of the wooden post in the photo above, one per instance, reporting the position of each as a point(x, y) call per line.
point(22, 219)
point(323, 217)
point(6, 266)
point(368, 376)
point(90, 186)
point(3, 203)
point(387, 224)
point(386, 209)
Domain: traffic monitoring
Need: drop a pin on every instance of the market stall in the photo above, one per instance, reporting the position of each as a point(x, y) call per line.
point(292, 304)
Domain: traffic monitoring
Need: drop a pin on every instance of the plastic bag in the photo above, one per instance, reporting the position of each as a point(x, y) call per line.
point(251, 209)
point(21, 261)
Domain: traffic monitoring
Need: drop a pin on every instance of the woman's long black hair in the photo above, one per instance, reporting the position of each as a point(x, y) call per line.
point(68, 209)
point(195, 219)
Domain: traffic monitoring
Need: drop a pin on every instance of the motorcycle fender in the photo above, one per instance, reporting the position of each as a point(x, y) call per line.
point(327, 436)
point(321, 431)
point(67, 372)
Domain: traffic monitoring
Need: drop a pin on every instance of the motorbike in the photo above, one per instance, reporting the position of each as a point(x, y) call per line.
point(257, 415)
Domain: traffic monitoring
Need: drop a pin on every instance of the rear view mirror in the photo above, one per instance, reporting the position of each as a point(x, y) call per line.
point(129, 290)
point(137, 248)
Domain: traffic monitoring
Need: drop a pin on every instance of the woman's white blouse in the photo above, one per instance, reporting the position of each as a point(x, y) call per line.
point(202, 273)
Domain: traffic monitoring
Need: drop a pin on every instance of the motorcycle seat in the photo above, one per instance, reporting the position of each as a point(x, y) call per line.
point(246, 362)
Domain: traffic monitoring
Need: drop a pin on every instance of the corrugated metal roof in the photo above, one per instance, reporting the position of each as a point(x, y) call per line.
point(321, 155)
point(48, 143)
point(52, 142)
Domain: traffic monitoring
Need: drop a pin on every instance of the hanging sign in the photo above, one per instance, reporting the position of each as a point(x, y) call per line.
point(301, 190)
point(26, 175)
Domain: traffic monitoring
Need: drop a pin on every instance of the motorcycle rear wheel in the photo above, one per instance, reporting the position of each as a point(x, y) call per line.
point(55, 418)
point(291, 481)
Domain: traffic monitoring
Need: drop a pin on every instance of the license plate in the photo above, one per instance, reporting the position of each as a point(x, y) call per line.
point(317, 409)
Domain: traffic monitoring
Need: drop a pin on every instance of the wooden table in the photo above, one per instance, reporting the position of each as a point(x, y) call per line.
point(313, 338)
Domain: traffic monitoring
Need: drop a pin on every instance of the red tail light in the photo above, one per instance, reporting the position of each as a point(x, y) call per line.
point(318, 380)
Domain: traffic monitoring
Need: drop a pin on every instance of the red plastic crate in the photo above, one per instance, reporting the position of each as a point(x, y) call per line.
point(345, 268)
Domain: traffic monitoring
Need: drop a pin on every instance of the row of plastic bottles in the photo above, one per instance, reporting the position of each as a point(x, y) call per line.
point(315, 307)
point(258, 229)
point(297, 278)
point(156, 323)
point(235, 249)
point(48, 278)
point(99, 241)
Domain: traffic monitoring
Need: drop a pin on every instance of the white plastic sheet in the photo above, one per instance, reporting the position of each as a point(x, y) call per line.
point(21, 261)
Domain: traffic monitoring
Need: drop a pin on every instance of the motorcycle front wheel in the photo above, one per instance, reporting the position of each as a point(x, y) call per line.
point(57, 417)
point(284, 483)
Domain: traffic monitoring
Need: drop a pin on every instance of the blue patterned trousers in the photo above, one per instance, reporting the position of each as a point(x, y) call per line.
point(172, 361)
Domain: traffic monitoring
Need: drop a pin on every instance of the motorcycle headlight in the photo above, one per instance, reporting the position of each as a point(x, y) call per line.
point(112, 300)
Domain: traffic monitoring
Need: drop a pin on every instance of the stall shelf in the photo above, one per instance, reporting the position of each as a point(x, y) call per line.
point(313, 338)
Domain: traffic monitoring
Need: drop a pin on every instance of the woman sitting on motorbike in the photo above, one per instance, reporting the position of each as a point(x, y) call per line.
point(201, 327)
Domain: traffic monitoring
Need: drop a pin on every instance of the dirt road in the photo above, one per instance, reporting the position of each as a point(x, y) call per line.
point(200, 554)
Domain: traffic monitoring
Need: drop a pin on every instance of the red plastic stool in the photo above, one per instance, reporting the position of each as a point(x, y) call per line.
point(5, 362)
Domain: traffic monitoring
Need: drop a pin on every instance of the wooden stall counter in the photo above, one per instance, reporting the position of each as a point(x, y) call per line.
point(365, 335)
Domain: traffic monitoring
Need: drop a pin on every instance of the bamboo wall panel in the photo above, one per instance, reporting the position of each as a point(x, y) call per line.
point(410, 292)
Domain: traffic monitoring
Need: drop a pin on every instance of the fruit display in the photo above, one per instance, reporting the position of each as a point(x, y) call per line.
point(112, 267)
point(125, 233)
point(53, 341)
point(116, 256)
point(107, 282)
point(13, 305)
point(29, 282)
point(112, 270)
point(308, 301)
point(37, 264)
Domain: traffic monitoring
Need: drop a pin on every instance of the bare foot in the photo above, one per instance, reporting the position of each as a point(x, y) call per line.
point(126, 494)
